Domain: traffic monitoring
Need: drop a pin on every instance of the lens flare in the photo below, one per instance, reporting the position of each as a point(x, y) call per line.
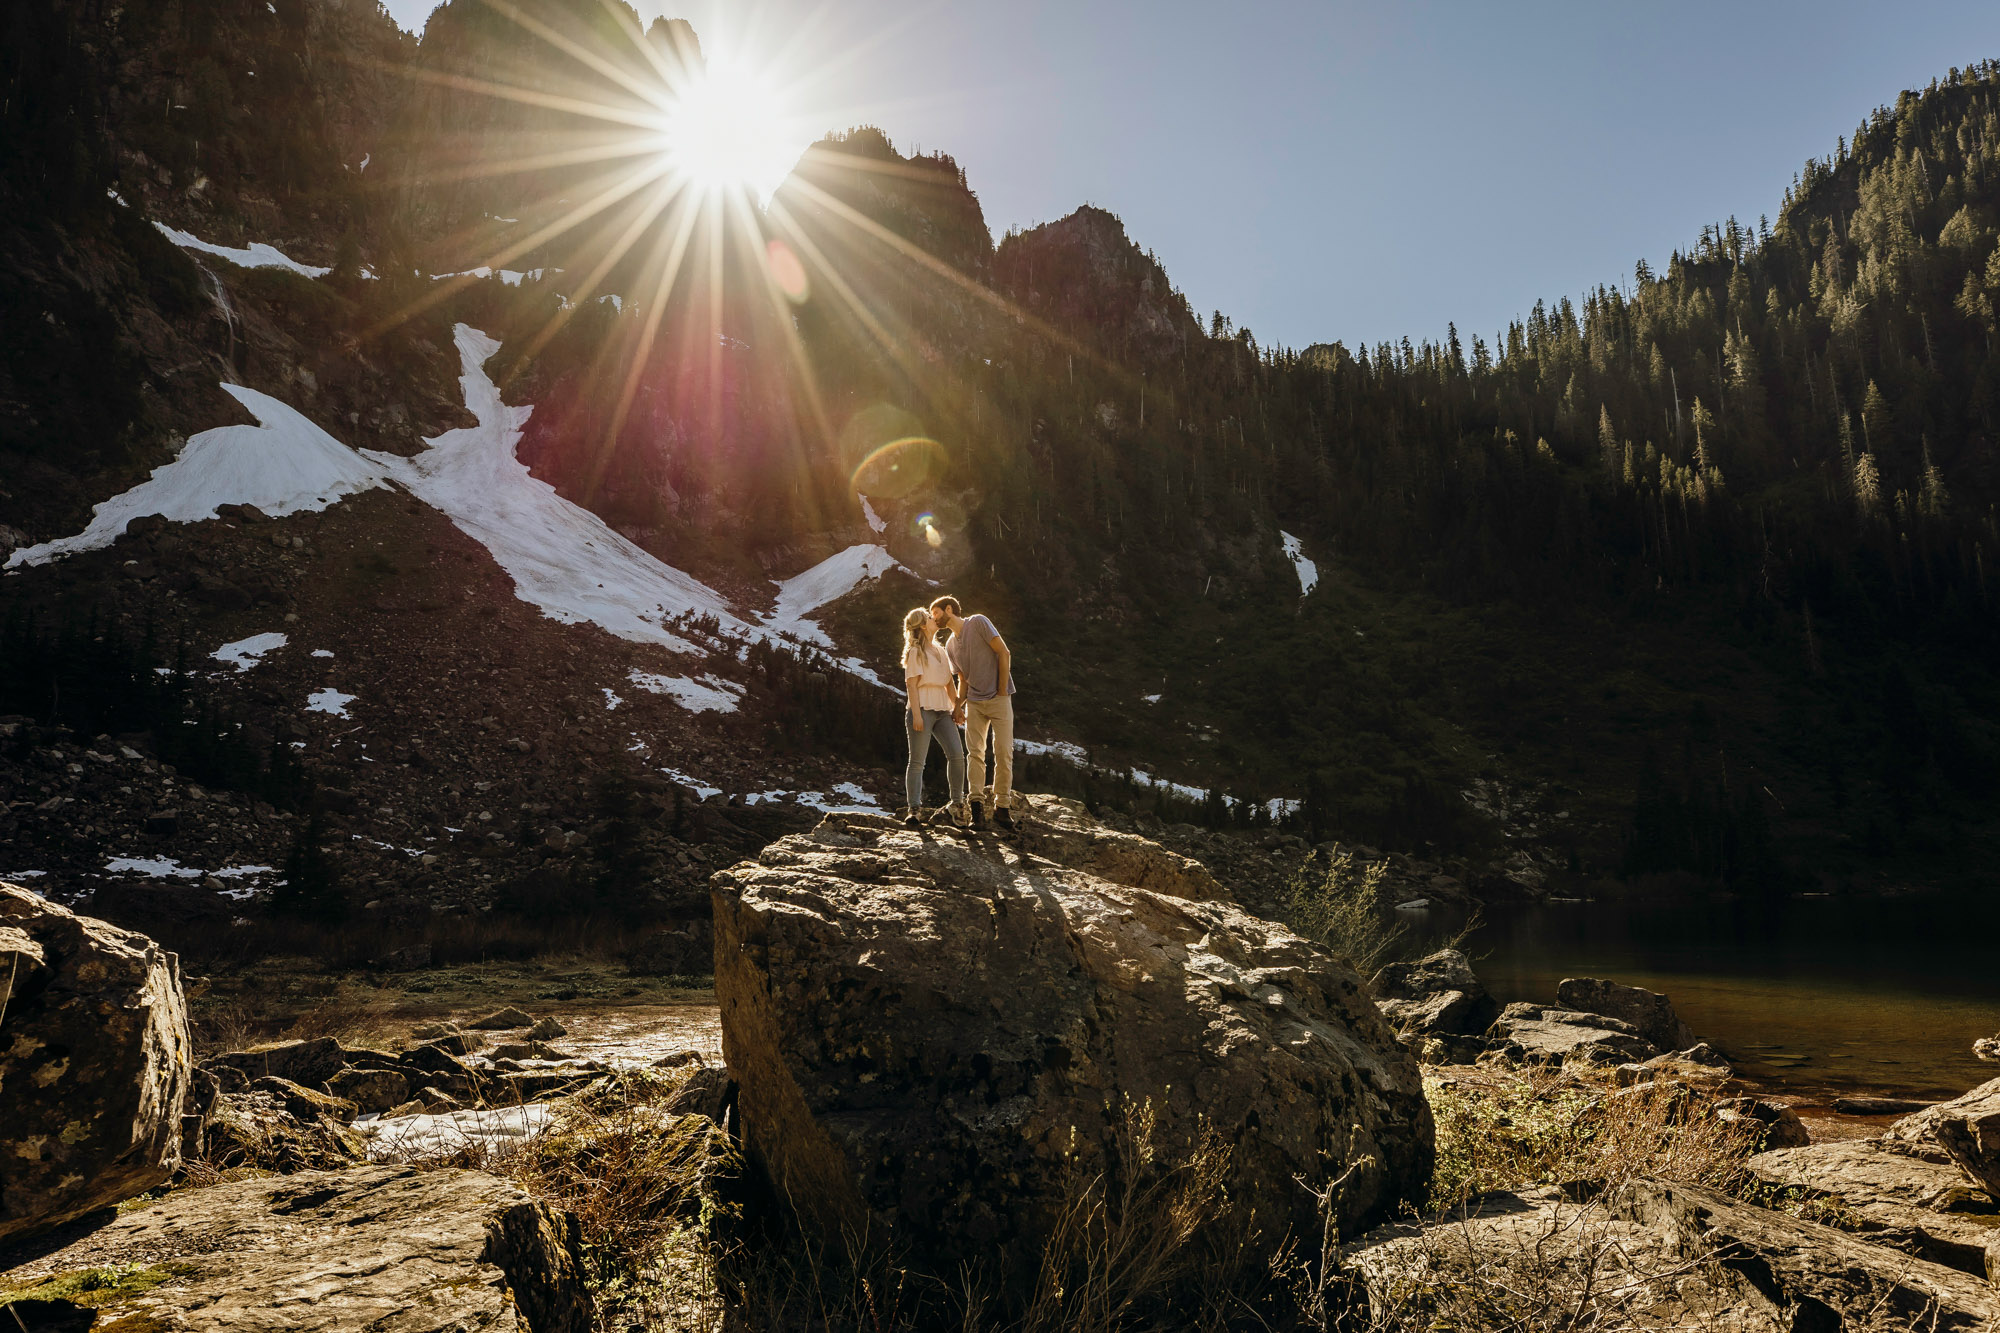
point(932, 533)
point(787, 272)
point(900, 467)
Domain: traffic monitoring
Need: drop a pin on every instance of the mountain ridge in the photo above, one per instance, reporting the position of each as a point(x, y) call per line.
point(1544, 647)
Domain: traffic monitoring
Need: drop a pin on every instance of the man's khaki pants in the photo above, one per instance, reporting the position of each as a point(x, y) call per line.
point(994, 717)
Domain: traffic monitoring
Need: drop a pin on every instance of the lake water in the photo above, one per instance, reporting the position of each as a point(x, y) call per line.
point(1812, 996)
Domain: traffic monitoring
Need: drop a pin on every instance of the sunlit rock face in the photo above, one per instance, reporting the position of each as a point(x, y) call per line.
point(932, 1032)
point(94, 1064)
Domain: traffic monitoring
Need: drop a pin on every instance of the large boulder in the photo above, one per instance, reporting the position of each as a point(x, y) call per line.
point(373, 1247)
point(1434, 996)
point(932, 1034)
point(1966, 1129)
point(1650, 1014)
point(95, 1063)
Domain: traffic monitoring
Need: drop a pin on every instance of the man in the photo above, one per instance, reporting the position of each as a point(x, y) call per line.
point(986, 682)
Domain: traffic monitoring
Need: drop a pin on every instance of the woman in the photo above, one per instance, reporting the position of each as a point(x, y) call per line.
point(933, 699)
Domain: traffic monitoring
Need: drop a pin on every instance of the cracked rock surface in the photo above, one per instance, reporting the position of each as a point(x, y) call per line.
point(931, 1027)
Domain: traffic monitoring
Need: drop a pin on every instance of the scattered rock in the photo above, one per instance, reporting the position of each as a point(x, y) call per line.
point(1987, 1048)
point(455, 1043)
point(502, 1019)
point(1923, 1208)
point(527, 1050)
point(1778, 1124)
point(925, 1028)
point(707, 1092)
point(547, 1029)
point(1433, 996)
point(432, 1031)
point(1538, 1034)
point(310, 1062)
point(95, 1066)
point(306, 1103)
point(430, 1066)
point(1650, 1014)
point(375, 1246)
point(1655, 1255)
point(1966, 1129)
point(1812, 1276)
point(258, 1129)
point(371, 1089)
point(1878, 1105)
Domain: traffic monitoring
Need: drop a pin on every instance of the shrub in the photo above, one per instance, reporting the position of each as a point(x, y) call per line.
point(1340, 903)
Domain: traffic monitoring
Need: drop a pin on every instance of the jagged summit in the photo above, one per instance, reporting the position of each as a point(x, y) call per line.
point(1084, 269)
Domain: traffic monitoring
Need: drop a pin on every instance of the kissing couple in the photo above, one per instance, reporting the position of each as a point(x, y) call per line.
point(968, 681)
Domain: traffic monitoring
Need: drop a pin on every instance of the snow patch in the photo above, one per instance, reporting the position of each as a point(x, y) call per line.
point(22, 874)
point(511, 277)
point(846, 798)
point(322, 652)
point(365, 159)
point(283, 465)
point(611, 701)
point(564, 560)
point(701, 789)
point(826, 582)
point(329, 700)
point(875, 520)
point(255, 255)
point(1151, 698)
point(246, 653)
point(1068, 750)
point(1308, 572)
point(703, 694)
point(160, 867)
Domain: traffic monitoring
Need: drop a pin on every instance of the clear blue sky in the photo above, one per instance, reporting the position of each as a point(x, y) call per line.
point(1338, 170)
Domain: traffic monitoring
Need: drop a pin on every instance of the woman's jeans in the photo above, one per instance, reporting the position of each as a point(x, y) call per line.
point(938, 724)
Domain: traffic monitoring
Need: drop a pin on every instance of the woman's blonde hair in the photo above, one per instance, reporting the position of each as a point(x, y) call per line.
point(913, 629)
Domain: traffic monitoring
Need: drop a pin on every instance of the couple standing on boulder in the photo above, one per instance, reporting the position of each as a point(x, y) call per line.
point(968, 681)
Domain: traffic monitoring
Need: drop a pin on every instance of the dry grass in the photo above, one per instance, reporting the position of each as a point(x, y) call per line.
point(1505, 1129)
point(1567, 1270)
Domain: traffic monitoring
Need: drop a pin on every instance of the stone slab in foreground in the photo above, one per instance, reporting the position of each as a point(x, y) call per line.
point(377, 1248)
point(94, 1064)
point(924, 1023)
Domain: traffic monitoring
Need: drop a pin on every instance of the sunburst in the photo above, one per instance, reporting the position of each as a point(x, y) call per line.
point(670, 167)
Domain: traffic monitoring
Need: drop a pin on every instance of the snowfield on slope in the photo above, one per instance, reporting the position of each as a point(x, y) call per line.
point(564, 560)
point(283, 465)
point(826, 582)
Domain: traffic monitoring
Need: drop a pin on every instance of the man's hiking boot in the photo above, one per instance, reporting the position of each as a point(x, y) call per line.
point(978, 818)
point(1003, 818)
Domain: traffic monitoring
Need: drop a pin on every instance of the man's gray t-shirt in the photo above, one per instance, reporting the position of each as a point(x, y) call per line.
point(972, 656)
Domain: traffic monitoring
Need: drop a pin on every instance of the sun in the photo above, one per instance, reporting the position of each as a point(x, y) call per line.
point(728, 128)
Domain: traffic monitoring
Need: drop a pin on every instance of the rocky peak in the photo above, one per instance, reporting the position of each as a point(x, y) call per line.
point(1084, 269)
